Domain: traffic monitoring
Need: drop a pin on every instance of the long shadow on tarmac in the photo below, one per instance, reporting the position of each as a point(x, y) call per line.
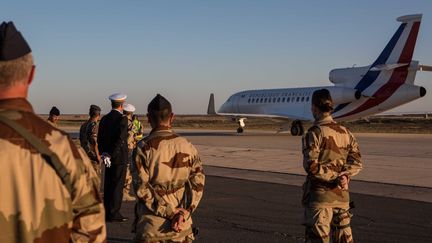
point(235, 210)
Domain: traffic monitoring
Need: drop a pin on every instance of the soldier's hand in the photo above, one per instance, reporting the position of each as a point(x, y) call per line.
point(176, 223)
point(343, 182)
point(179, 219)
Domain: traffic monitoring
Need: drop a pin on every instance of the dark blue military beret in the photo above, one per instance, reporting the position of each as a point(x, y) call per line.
point(159, 103)
point(12, 43)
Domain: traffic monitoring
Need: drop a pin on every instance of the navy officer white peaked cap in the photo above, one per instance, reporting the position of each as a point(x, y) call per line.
point(129, 107)
point(118, 97)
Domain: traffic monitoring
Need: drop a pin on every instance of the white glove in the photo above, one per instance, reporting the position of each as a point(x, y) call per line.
point(106, 159)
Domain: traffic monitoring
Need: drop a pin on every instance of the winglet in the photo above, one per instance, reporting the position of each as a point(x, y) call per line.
point(211, 106)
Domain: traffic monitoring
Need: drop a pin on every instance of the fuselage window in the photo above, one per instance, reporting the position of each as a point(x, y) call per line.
point(249, 100)
point(261, 100)
point(274, 100)
point(307, 99)
point(283, 99)
point(278, 100)
point(288, 99)
point(298, 99)
point(265, 100)
point(302, 99)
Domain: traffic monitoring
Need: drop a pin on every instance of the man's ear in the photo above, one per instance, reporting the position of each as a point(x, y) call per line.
point(148, 119)
point(31, 76)
point(172, 118)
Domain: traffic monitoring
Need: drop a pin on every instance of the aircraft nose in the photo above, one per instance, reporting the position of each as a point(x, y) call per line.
point(223, 108)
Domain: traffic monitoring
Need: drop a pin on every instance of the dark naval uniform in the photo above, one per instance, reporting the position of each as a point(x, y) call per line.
point(112, 140)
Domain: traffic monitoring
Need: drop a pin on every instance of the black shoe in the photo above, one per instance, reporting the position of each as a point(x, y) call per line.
point(117, 219)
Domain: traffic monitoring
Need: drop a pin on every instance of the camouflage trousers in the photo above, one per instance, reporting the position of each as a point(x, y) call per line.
point(326, 225)
point(128, 194)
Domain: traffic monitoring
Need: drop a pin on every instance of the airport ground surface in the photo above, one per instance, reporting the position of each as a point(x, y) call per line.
point(234, 210)
point(253, 188)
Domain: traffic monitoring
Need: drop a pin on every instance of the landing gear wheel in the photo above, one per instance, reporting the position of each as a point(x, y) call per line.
point(294, 130)
point(240, 130)
point(297, 128)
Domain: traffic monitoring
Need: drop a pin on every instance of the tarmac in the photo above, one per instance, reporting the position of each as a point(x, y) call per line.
point(253, 188)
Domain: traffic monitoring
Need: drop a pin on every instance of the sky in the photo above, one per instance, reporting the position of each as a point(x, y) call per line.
point(86, 50)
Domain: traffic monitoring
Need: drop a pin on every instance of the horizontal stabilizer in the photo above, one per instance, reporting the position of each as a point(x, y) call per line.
point(425, 68)
point(388, 67)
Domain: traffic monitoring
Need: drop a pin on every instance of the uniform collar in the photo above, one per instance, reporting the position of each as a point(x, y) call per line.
point(20, 104)
point(325, 120)
point(118, 111)
point(161, 129)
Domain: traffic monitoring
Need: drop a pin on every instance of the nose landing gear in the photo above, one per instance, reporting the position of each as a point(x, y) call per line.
point(242, 124)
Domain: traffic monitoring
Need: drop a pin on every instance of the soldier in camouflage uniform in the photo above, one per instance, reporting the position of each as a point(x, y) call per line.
point(54, 116)
point(171, 180)
point(88, 138)
point(49, 191)
point(128, 110)
point(331, 157)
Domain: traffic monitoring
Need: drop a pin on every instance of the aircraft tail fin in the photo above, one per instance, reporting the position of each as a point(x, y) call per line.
point(396, 56)
point(211, 106)
point(400, 48)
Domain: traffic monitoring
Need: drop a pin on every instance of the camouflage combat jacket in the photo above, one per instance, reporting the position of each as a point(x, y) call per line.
point(170, 176)
point(88, 138)
point(52, 123)
point(131, 135)
point(329, 149)
point(35, 204)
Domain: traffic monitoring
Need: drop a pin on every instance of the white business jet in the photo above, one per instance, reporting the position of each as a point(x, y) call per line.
point(358, 92)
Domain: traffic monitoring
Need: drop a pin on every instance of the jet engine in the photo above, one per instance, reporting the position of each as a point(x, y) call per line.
point(341, 95)
point(347, 75)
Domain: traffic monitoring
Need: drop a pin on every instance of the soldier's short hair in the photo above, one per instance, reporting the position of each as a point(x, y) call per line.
point(116, 104)
point(16, 70)
point(158, 116)
point(322, 99)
